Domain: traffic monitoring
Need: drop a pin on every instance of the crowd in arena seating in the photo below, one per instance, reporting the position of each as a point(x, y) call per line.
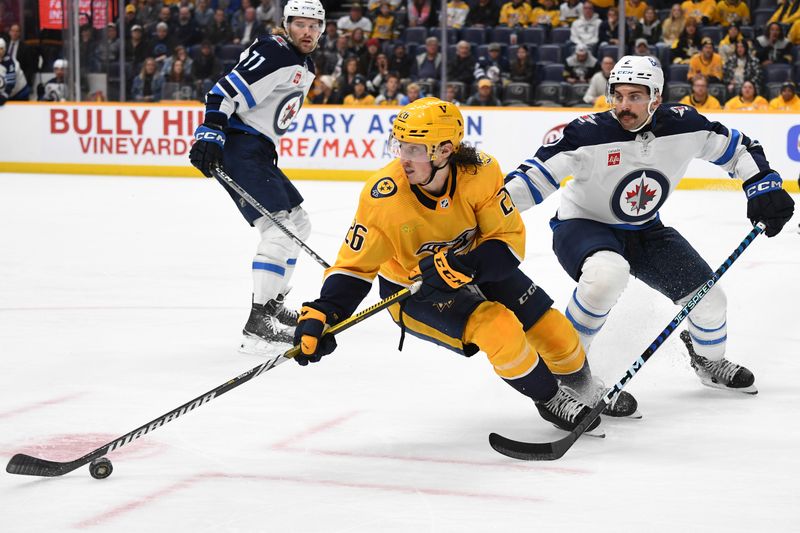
point(731, 54)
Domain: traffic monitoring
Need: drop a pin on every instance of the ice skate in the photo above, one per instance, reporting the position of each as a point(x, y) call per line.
point(565, 411)
point(591, 390)
point(264, 334)
point(721, 374)
point(277, 308)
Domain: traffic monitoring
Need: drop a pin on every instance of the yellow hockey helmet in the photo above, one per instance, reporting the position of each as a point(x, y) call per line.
point(429, 122)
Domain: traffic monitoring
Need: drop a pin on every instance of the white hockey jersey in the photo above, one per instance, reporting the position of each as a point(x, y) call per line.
point(622, 178)
point(12, 79)
point(265, 90)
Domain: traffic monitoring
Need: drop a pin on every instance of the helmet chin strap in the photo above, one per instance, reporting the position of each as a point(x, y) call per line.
point(434, 170)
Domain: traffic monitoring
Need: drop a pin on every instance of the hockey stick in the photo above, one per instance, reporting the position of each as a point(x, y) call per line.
point(34, 466)
point(227, 180)
point(550, 451)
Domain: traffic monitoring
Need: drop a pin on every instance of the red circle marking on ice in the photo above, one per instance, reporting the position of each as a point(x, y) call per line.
point(67, 447)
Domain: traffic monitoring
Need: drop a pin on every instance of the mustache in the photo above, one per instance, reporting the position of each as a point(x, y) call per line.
point(627, 114)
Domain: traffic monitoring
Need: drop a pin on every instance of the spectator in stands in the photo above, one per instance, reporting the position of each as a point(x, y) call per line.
point(741, 67)
point(86, 46)
point(360, 95)
point(787, 100)
point(428, 63)
point(772, 47)
point(794, 34)
point(220, 31)
point(237, 16)
point(55, 90)
point(732, 12)
point(107, 51)
point(641, 48)
point(186, 31)
point(788, 12)
point(324, 94)
point(569, 11)
point(451, 95)
point(376, 78)
point(148, 84)
point(206, 67)
point(147, 13)
point(413, 92)
point(355, 19)
point(699, 97)
point(485, 14)
point(634, 9)
point(390, 94)
point(581, 65)
point(165, 17)
point(136, 49)
point(704, 11)
point(706, 62)
point(357, 43)
point(633, 32)
point(457, 12)
point(651, 26)
point(345, 83)
point(515, 14)
point(493, 65)
point(178, 83)
point(400, 62)
point(203, 14)
point(747, 100)
point(522, 69)
point(546, 15)
point(26, 56)
point(162, 46)
point(367, 61)
point(598, 81)
point(727, 45)
point(461, 67)
point(130, 18)
point(386, 23)
point(328, 40)
point(672, 27)
point(688, 44)
point(601, 104)
point(250, 30)
point(420, 13)
point(181, 55)
point(484, 97)
point(608, 33)
point(265, 13)
point(586, 29)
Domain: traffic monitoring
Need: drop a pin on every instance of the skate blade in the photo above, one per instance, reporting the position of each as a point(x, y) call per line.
point(751, 390)
point(261, 348)
point(597, 432)
point(636, 415)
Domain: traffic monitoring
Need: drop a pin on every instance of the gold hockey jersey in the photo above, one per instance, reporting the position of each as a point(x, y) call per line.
point(397, 224)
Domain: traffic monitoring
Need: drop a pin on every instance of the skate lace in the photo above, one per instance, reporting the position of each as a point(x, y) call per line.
point(565, 405)
point(285, 314)
point(723, 369)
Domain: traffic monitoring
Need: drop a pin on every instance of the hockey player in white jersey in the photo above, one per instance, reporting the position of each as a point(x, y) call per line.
point(13, 85)
point(247, 111)
point(625, 163)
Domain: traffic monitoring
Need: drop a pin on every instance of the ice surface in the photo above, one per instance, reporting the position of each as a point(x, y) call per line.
point(122, 298)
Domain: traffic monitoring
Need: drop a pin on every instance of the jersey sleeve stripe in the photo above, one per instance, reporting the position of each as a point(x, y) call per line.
point(248, 96)
point(544, 172)
point(730, 150)
point(216, 89)
point(226, 86)
point(537, 195)
point(269, 267)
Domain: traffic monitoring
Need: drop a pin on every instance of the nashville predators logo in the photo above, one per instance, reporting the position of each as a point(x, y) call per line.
point(442, 306)
point(384, 188)
point(457, 245)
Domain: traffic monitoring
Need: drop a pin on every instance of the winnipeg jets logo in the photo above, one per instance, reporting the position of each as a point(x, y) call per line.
point(680, 110)
point(287, 110)
point(639, 195)
point(554, 135)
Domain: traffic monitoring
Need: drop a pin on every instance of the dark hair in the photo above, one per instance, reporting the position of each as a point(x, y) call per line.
point(467, 157)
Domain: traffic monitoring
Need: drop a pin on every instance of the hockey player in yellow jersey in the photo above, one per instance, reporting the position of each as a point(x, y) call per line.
point(439, 212)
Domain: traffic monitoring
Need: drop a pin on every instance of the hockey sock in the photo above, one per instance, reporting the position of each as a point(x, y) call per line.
point(557, 342)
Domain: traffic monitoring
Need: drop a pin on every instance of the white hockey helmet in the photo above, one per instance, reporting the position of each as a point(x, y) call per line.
point(638, 70)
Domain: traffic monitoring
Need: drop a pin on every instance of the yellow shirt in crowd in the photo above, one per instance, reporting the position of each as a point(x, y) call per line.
point(635, 11)
point(778, 104)
point(698, 65)
point(515, 16)
point(727, 13)
point(698, 10)
point(351, 99)
point(737, 104)
point(711, 103)
point(540, 15)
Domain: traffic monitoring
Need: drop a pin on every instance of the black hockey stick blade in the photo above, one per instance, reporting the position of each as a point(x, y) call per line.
point(544, 451)
point(33, 466)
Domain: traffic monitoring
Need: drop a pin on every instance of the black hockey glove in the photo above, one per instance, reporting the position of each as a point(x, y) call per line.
point(767, 202)
point(442, 273)
point(2, 100)
point(209, 138)
point(308, 335)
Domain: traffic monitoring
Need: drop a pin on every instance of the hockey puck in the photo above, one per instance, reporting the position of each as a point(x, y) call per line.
point(101, 468)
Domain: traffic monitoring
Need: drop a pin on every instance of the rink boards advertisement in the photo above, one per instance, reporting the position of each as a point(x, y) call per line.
point(323, 142)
